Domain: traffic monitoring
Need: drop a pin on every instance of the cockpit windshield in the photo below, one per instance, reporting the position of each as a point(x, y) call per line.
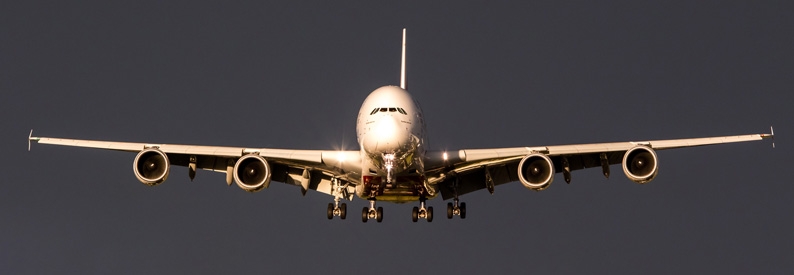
point(388, 109)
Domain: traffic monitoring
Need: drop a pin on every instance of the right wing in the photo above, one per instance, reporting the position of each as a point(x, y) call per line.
point(308, 169)
point(470, 170)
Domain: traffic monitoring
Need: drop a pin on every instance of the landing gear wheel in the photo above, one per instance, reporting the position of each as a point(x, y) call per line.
point(429, 214)
point(463, 210)
point(449, 210)
point(365, 215)
point(330, 211)
point(415, 214)
point(343, 211)
point(379, 214)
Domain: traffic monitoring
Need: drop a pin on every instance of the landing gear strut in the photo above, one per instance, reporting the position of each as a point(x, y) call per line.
point(422, 212)
point(388, 163)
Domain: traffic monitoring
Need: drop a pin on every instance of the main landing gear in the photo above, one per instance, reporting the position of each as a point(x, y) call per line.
point(334, 209)
point(422, 212)
point(456, 209)
point(371, 212)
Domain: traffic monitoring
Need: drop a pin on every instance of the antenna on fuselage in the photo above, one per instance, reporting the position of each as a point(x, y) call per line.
point(402, 65)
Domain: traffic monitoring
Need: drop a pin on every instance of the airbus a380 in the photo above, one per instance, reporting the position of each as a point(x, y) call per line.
point(393, 163)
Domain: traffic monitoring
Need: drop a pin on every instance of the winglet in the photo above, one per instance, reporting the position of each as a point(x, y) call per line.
point(30, 137)
point(402, 64)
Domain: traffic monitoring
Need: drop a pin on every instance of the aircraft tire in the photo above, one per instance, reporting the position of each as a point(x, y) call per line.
point(429, 216)
point(330, 211)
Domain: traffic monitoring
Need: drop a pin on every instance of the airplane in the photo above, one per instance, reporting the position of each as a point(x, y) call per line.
point(393, 163)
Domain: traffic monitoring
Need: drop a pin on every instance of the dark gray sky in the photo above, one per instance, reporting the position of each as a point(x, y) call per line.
point(487, 75)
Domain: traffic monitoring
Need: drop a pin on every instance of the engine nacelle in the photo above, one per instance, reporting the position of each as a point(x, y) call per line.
point(151, 166)
point(252, 173)
point(535, 171)
point(640, 164)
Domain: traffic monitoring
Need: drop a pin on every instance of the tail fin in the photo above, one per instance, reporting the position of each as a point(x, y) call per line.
point(402, 64)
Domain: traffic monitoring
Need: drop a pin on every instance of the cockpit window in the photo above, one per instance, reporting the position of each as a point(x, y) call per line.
point(389, 109)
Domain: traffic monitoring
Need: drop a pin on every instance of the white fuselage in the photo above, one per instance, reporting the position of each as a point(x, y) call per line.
point(391, 134)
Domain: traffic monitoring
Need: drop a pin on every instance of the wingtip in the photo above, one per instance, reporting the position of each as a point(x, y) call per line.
point(770, 135)
point(31, 138)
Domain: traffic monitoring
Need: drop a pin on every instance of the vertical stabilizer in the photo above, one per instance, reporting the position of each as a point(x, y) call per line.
point(402, 64)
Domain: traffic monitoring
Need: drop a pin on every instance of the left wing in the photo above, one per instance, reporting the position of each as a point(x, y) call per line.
point(309, 169)
point(469, 170)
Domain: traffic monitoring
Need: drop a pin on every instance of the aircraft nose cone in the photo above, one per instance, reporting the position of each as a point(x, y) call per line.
point(387, 135)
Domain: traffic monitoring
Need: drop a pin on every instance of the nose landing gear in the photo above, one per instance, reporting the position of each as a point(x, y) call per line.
point(372, 212)
point(422, 212)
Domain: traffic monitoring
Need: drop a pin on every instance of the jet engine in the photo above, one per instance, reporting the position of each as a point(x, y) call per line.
point(535, 171)
point(640, 164)
point(252, 173)
point(151, 166)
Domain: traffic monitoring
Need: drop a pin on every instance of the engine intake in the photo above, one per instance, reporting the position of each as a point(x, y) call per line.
point(640, 164)
point(151, 166)
point(535, 171)
point(252, 173)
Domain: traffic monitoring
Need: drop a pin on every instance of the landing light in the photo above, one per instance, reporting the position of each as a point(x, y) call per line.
point(340, 156)
point(386, 127)
point(446, 157)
